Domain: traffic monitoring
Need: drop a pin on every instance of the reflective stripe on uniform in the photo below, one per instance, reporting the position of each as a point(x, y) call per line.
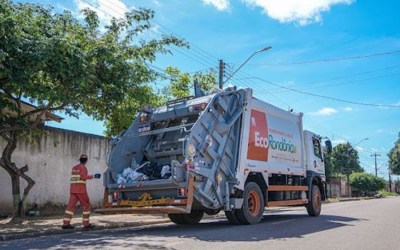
point(67, 219)
point(69, 212)
point(86, 212)
point(80, 181)
point(76, 179)
point(85, 219)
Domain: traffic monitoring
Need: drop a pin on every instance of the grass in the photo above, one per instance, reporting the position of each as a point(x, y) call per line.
point(386, 193)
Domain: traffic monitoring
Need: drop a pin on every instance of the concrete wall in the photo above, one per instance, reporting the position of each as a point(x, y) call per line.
point(338, 187)
point(50, 161)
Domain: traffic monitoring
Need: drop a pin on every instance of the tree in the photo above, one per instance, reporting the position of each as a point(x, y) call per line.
point(343, 160)
point(181, 83)
point(394, 158)
point(329, 167)
point(58, 63)
point(179, 86)
point(366, 182)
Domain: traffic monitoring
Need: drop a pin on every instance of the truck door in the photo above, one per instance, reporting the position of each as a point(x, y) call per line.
point(315, 160)
point(318, 161)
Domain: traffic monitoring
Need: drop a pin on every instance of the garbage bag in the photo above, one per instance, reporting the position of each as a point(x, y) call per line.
point(166, 172)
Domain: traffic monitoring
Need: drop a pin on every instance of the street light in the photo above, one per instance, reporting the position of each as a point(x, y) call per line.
point(360, 142)
point(256, 52)
point(355, 145)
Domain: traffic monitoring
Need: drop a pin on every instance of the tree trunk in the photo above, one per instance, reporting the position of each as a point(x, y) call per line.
point(16, 194)
point(19, 204)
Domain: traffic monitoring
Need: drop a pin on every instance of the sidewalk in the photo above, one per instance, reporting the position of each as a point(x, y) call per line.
point(39, 226)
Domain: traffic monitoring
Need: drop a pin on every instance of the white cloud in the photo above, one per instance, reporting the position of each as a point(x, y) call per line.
point(105, 9)
point(303, 12)
point(324, 112)
point(348, 109)
point(340, 141)
point(379, 130)
point(360, 149)
point(219, 4)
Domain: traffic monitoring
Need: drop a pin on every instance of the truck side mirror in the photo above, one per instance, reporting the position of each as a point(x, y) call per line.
point(328, 145)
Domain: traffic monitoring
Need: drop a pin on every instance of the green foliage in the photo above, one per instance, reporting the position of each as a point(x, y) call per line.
point(366, 182)
point(394, 158)
point(59, 63)
point(343, 160)
point(329, 167)
point(386, 193)
point(181, 83)
point(179, 86)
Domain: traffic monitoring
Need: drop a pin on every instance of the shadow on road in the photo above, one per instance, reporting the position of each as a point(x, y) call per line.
point(272, 227)
point(277, 226)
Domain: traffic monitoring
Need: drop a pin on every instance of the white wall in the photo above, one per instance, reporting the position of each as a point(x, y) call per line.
point(50, 161)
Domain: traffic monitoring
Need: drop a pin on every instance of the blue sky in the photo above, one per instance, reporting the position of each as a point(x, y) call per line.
point(341, 49)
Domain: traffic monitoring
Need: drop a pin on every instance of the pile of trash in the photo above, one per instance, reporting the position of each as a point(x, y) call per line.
point(144, 172)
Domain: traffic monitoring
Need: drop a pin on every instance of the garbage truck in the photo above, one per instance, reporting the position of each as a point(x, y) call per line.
point(227, 151)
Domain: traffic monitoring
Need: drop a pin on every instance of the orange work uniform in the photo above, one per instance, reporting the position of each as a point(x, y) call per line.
point(79, 193)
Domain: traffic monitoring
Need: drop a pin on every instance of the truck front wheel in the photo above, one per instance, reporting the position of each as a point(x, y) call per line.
point(194, 217)
point(253, 205)
point(314, 203)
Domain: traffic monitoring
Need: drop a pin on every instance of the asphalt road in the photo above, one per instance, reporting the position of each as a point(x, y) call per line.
point(370, 224)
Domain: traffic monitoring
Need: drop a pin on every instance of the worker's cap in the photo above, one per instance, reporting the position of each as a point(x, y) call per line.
point(83, 156)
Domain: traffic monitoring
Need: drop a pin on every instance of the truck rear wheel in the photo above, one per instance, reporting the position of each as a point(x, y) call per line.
point(194, 217)
point(314, 203)
point(253, 205)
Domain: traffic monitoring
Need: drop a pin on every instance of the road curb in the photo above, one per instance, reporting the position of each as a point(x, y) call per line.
point(15, 236)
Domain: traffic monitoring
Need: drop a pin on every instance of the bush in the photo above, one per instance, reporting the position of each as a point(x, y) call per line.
point(367, 183)
point(386, 193)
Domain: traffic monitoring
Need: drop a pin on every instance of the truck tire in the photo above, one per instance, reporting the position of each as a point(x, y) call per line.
point(194, 217)
point(314, 203)
point(212, 211)
point(253, 205)
point(232, 217)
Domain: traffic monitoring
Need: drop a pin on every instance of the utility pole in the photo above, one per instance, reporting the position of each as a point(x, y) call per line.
point(221, 74)
point(390, 180)
point(376, 166)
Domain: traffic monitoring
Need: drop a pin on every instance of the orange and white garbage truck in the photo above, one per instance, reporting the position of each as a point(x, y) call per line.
point(227, 151)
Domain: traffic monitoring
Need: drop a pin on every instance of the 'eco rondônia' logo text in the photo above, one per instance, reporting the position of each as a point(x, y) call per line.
point(258, 137)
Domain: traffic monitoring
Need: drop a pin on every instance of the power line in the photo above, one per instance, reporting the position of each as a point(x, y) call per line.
point(283, 103)
point(201, 52)
point(195, 46)
point(257, 91)
point(346, 82)
point(199, 58)
point(209, 56)
point(327, 97)
point(333, 59)
point(357, 74)
point(306, 118)
point(192, 57)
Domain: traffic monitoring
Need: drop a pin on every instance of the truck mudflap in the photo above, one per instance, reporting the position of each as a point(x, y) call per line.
point(148, 205)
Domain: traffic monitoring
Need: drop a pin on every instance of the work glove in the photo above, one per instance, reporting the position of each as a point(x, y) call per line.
point(97, 176)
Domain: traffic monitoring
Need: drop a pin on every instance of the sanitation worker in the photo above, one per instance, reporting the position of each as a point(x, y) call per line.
point(79, 193)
